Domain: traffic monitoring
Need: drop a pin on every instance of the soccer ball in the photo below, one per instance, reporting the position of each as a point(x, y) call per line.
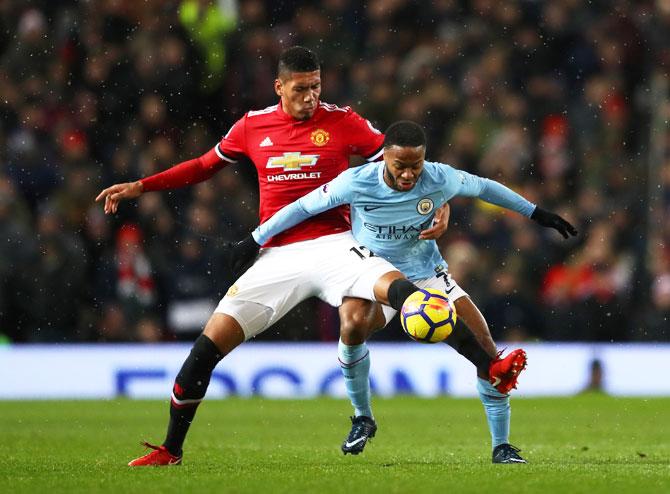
point(428, 316)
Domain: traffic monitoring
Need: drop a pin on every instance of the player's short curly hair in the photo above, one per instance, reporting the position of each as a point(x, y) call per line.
point(298, 59)
point(404, 133)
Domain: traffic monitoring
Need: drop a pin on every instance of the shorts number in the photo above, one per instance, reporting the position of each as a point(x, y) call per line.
point(447, 281)
point(362, 252)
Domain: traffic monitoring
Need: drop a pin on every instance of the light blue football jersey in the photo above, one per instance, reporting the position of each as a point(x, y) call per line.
point(388, 221)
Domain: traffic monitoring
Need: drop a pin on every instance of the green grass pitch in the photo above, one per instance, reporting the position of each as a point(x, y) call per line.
point(589, 444)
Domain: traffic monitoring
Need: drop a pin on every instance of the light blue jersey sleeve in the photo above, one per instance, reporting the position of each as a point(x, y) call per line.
point(489, 191)
point(334, 193)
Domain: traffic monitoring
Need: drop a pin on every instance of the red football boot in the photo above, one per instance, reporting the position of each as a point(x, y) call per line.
point(160, 456)
point(504, 372)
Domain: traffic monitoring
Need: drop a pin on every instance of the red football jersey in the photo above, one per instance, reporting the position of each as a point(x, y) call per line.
point(294, 157)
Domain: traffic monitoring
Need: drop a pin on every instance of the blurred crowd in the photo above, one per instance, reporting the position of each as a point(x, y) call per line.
point(564, 101)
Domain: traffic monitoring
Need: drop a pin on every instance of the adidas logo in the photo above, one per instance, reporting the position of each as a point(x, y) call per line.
point(266, 142)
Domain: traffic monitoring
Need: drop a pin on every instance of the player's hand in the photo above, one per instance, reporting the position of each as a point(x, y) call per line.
point(118, 192)
point(440, 224)
point(241, 255)
point(551, 220)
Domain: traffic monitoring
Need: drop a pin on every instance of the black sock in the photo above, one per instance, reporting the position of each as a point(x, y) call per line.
point(189, 388)
point(399, 290)
point(464, 342)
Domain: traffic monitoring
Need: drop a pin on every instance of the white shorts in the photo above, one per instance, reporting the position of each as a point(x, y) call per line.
point(329, 267)
point(441, 281)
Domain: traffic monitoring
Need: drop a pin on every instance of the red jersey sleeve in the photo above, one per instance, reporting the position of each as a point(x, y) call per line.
point(234, 144)
point(185, 173)
point(364, 139)
point(231, 147)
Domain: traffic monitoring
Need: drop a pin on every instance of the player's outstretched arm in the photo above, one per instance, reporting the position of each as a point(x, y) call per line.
point(185, 173)
point(552, 220)
point(496, 193)
point(440, 224)
point(116, 193)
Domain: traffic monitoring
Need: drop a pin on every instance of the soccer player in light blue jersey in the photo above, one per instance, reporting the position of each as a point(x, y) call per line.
point(392, 201)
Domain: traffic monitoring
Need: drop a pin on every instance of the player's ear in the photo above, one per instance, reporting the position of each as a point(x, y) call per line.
point(278, 87)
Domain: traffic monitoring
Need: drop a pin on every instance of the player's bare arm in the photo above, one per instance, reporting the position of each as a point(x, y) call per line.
point(118, 192)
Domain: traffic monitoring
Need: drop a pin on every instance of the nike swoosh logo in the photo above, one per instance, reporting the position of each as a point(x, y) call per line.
point(451, 289)
point(370, 208)
point(496, 381)
point(354, 443)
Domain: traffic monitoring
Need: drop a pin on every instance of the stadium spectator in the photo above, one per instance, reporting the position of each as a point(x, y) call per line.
point(191, 283)
point(57, 292)
point(135, 285)
point(208, 23)
point(149, 330)
point(18, 252)
point(113, 327)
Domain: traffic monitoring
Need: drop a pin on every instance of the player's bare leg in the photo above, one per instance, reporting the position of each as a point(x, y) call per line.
point(221, 335)
point(225, 332)
point(358, 320)
point(470, 315)
point(477, 346)
point(393, 288)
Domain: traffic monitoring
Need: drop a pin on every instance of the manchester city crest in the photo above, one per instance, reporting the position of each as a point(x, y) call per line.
point(425, 206)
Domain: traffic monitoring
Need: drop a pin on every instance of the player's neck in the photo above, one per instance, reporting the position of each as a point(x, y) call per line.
point(287, 114)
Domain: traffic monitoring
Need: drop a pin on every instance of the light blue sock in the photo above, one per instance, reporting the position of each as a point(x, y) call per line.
point(355, 364)
point(498, 411)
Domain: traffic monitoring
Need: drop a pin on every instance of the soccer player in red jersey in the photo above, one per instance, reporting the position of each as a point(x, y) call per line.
point(297, 145)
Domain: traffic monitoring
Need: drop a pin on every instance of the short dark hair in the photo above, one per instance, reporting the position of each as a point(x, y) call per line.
point(298, 59)
point(405, 134)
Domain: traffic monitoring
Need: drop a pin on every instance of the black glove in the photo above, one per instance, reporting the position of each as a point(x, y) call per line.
point(551, 220)
point(240, 255)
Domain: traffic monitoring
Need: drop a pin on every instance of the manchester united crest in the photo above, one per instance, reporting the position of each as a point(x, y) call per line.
point(320, 137)
point(232, 291)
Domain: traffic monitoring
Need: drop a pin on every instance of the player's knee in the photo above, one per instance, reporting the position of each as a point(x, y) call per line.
point(240, 320)
point(352, 332)
point(355, 328)
point(224, 331)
